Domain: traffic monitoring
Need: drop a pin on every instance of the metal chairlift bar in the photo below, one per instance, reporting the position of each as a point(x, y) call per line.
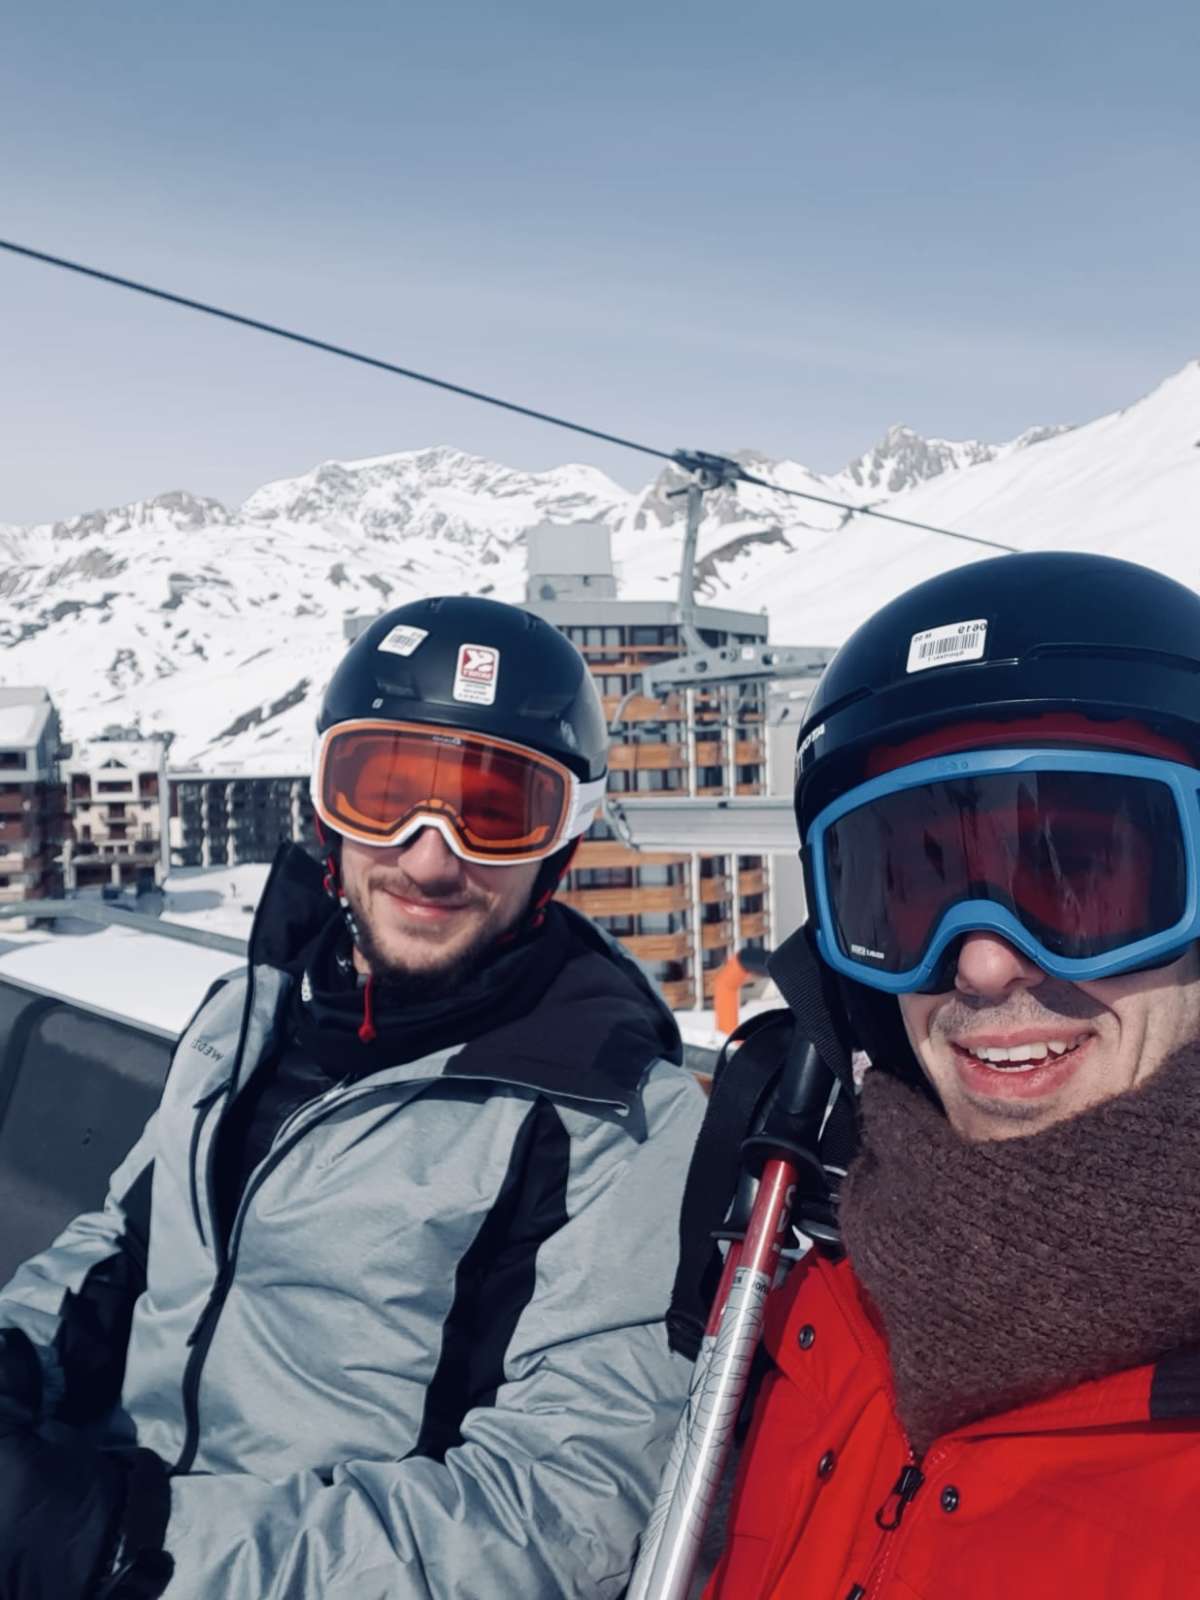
point(745, 824)
point(114, 916)
point(736, 662)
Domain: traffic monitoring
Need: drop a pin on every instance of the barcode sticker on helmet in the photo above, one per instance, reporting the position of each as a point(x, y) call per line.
point(403, 640)
point(943, 647)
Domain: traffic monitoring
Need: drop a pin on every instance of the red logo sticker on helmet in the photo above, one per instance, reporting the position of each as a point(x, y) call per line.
point(477, 674)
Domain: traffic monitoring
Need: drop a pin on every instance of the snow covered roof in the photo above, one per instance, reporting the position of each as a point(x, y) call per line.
point(23, 715)
point(136, 755)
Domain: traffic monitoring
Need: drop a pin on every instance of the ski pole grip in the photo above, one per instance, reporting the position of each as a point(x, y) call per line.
point(792, 1128)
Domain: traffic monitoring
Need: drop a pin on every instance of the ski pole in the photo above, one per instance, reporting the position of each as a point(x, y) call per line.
point(671, 1545)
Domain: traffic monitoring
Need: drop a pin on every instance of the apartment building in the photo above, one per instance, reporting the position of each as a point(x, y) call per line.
point(681, 914)
point(225, 818)
point(33, 809)
point(116, 791)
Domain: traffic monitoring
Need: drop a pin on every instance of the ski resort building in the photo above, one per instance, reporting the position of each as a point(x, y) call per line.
point(116, 791)
point(682, 914)
point(33, 810)
point(226, 818)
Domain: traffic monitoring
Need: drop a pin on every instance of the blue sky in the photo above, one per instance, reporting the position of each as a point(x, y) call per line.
point(778, 225)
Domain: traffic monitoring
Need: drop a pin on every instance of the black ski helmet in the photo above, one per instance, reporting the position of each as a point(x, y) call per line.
point(406, 667)
point(1010, 638)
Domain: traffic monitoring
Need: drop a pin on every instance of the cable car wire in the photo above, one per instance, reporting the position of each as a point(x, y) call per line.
point(727, 469)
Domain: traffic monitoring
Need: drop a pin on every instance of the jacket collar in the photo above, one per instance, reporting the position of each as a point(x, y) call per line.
point(592, 1036)
point(1165, 1391)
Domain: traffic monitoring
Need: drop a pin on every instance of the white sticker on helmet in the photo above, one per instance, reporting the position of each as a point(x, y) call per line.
point(948, 645)
point(403, 640)
point(477, 674)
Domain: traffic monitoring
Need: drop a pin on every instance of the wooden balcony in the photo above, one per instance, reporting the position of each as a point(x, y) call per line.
point(715, 935)
point(754, 882)
point(642, 708)
point(749, 788)
point(646, 757)
point(678, 995)
point(748, 752)
point(713, 889)
point(709, 752)
point(609, 853)
point(627, 902)
point(14, 805)
point(658, 946)
point(710, 983)
point(754, 925)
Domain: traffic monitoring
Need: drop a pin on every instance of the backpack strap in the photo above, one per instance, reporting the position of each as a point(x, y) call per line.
point(741, 1089)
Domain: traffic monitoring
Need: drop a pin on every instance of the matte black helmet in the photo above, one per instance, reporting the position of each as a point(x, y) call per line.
point(1008, 638)
point(1013, 639)
point(414, 664)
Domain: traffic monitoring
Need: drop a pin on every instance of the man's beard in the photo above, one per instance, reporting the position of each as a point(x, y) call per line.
point(413, 985)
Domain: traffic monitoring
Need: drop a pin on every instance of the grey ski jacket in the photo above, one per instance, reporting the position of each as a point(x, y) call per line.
point(485, 1235)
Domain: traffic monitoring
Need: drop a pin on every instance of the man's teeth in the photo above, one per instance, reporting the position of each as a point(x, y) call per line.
point(1026, 1055)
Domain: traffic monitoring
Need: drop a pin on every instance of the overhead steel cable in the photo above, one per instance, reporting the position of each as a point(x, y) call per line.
point(323, 344)
point(689, 460)
point(869, 511)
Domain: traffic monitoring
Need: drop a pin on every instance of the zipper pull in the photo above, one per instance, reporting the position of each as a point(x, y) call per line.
point(904, 1488)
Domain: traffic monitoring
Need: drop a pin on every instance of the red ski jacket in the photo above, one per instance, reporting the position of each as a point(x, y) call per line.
point(1094, 1492)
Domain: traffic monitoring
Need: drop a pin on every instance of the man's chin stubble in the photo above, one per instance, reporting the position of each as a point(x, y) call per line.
point(431, 979)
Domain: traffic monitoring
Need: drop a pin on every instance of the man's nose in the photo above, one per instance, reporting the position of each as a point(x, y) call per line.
point(990, 967)
point(428, 859)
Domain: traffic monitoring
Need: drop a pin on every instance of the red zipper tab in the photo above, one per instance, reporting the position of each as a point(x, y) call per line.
point(904, 1488)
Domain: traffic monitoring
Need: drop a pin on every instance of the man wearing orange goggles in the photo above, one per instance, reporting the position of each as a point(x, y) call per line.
point(401, 1329)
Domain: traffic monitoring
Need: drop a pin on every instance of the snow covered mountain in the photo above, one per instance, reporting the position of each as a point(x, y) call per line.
point(223, 625)
point(902, 459)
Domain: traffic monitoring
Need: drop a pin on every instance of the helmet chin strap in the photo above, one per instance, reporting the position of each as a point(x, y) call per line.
point(331, 843)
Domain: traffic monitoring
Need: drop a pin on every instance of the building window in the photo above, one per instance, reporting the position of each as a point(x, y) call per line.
point(12, 760)
point(656, 876)
point(81, 787)
point(116, 810)
point(652, 782)
point(114, 786)
point(118, 830)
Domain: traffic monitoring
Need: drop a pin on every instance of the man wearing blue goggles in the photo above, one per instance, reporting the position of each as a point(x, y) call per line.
point(995, 1390)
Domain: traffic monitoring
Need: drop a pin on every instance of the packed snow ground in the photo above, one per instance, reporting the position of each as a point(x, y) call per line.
point(223, 626)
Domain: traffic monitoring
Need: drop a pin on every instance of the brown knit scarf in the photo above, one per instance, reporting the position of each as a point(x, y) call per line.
point(1007, 1270)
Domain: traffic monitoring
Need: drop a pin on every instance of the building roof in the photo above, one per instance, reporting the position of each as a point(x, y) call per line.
point(23, 716)
point(137, 755)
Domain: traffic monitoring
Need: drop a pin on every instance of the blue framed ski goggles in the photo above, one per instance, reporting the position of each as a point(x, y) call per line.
point(1085, 861)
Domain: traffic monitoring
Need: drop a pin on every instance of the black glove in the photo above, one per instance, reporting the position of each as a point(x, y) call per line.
point(67, 1512)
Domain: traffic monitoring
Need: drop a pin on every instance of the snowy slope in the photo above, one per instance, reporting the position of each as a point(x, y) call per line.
point(223, 625)
point(1126, 485)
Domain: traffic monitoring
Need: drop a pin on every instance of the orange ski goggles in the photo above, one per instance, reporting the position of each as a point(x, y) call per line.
point(493, 802)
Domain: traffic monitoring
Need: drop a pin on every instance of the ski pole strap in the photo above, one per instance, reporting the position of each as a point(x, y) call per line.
point(741, 1086)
